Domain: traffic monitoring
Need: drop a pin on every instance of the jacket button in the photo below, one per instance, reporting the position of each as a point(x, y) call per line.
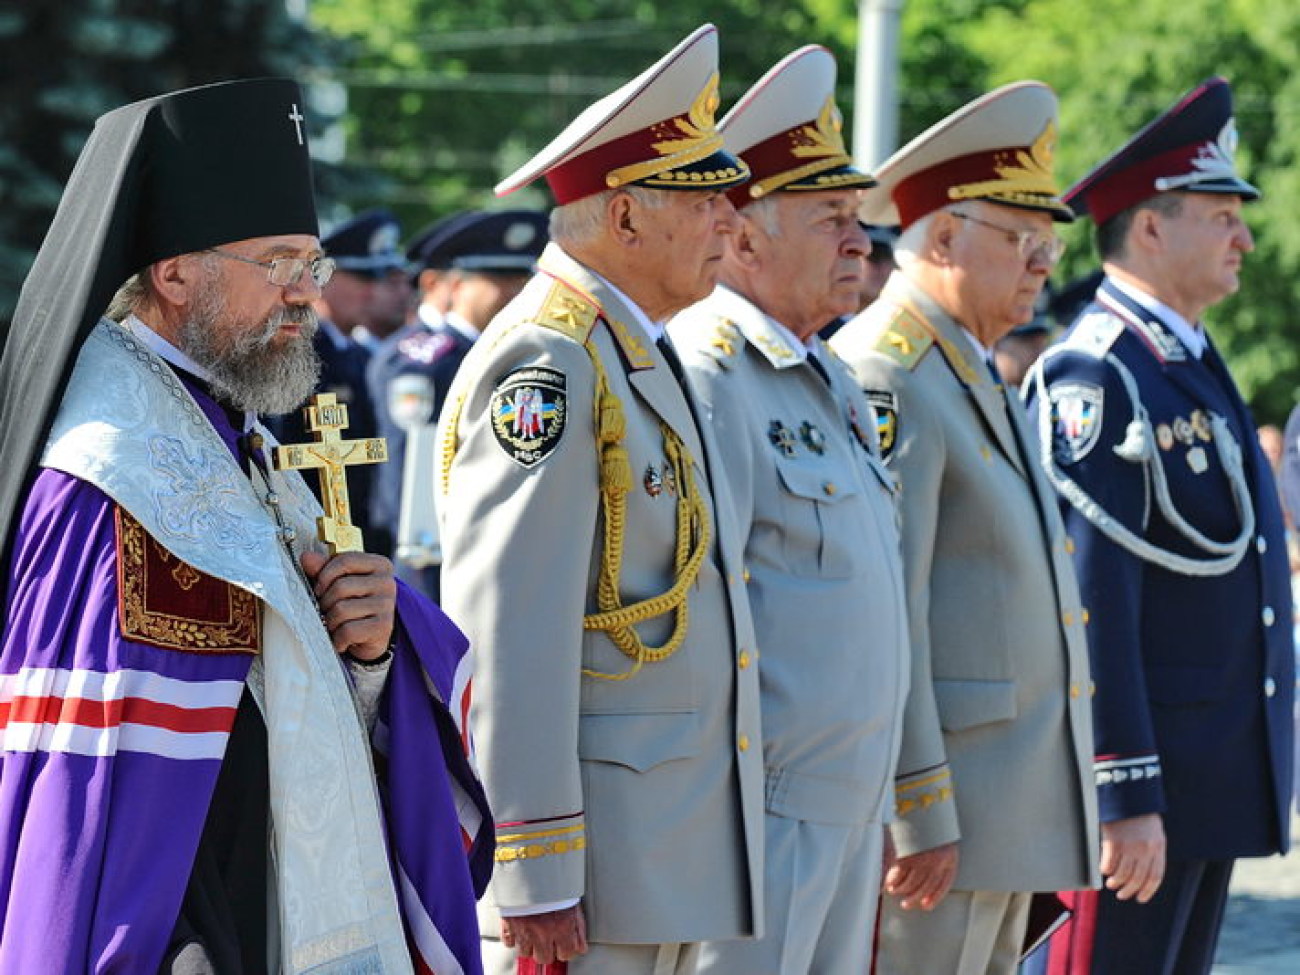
point(1261, 544)
point(1270, 687)
point(745, 575)
point(1069, 545)
point(743, 660)
point(743, 743)
point(1074, 690)
point(1067, 617)
point(1268, 615)
point(829, 488)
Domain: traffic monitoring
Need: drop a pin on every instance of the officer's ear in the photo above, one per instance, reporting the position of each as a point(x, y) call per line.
point(1147, 232)
point(177, 281)
point(745, 242)
point(941, 236)
point(622, 216)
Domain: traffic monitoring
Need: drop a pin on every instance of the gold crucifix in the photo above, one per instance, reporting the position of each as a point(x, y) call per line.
point(330, 456)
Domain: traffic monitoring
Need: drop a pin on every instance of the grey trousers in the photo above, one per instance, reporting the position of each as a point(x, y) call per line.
point(969, 933)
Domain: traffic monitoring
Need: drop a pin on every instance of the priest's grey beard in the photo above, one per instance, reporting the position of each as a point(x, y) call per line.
point(245, 370)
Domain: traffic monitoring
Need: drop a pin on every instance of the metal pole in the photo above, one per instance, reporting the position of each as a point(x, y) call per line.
point(875, 94)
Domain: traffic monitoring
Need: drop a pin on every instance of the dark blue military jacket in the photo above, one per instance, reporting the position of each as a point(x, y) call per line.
point(1182, 563)
point(433, 353)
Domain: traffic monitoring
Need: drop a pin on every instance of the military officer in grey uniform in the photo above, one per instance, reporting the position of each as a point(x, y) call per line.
point(616, 697)
point(994, 788)
point(816, 506)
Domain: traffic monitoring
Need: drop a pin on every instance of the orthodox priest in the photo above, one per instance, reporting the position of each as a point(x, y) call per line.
point(223, 749)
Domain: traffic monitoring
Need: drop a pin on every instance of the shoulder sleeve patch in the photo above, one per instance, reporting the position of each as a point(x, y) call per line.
point(903, 338)
point(568, 312)
point(1076, 412)
point(167, 603)
point(885, 406)
point(528, 411)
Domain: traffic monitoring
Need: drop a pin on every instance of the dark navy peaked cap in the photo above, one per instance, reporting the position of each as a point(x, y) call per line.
point(498, 240)
point(1190, 148)
point(366, 244)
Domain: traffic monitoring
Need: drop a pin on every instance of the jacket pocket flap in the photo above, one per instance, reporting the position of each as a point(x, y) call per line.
point(639, 741)
point(968, 703)
point(815, 485)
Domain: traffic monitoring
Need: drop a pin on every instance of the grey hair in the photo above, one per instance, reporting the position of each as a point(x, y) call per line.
point(765, 214)
point(907, 249)
point(129, 299)
point(582, 220)
point(134, 295)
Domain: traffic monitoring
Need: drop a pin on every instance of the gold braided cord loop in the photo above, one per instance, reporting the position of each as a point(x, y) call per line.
point(615, 619)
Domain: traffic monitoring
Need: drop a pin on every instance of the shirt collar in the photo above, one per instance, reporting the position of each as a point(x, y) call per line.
point(1192, 336)
point(654, 329)
point(458, 324)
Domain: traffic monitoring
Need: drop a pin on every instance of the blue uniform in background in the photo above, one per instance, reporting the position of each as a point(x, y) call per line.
point(1181, 557)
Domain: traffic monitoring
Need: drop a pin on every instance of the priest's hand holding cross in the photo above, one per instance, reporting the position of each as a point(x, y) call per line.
point(356, 591)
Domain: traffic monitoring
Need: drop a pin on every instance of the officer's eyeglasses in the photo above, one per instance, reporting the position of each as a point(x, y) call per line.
point(284, 271)
point(1032, 243)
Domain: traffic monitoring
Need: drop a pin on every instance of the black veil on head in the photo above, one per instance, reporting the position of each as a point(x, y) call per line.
point(165, 176)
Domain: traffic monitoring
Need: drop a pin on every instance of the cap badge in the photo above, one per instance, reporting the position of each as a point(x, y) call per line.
point(1213, 160)
point(1025, 175)
point(682, 140)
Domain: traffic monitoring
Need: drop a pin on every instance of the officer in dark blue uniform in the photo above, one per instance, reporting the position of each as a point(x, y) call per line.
point(365, 251)
point(488, 257)
point(1180, 550)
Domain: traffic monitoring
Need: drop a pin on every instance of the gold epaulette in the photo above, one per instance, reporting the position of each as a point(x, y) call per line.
point(568, 312)
point(901, 336)
point(725, 342)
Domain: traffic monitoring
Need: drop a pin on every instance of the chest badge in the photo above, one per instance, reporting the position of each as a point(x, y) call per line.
point(813, 438)
point(782, 438)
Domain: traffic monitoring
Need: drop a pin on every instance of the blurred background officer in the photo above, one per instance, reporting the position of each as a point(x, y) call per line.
point(1181, 550)
point(995, 796)
point(1020, 348)
point(816, 506)
point(370, 293)
point(428, 274)
point(488, 258)
point(614, 677)
point(357, 297)
point(880, 262)
point(428, 262)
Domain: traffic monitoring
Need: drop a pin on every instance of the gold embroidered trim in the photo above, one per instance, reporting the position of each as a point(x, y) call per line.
point(682, 140)
point(534, 851)
point(144, 572)
point(1025, 175)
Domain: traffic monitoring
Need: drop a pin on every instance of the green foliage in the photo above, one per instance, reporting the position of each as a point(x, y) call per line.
point(446, 99)
point(1116, 65)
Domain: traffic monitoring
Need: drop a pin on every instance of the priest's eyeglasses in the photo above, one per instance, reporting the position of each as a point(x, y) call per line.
point(1032, 243)
point(284, 271)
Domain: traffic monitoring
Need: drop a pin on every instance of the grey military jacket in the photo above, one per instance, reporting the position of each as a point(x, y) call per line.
point(997, 739)
point(635, 788)
point(817, 507)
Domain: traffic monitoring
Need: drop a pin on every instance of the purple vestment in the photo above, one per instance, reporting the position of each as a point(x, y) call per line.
point(111, 751)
